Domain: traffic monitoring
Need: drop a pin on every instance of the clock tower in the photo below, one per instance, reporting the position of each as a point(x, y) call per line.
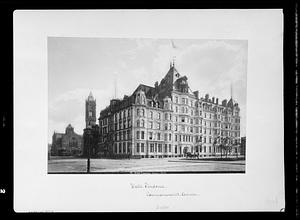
point(90, 111)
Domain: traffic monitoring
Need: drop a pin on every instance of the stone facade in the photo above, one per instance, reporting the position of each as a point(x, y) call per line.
point(66, 144)
point(169, 120)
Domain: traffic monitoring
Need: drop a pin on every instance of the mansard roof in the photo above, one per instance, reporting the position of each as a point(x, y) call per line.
point(148, 90)
point(173, 81)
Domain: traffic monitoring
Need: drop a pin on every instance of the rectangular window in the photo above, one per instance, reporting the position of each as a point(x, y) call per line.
point(151, 148)
point(120, 148)
point(128, 147)
point(158, 126)
point(116, 148)
point(150, 135)
point(166, 148)
point(166, 137)
point(158, 136)
point(138, 147)
point(169, 148)
point(142, 147)
point(124, 147)
point(159, 148)
point(170, 137)
point(143, 135)
point(137, 135)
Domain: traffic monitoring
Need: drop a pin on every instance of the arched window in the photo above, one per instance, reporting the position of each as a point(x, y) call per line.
point(142, 123)
point(143, 112)
point(138, 112)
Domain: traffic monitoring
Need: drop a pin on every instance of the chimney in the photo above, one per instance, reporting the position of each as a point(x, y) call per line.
point(206, 97)
point(196, 93)
point(213, 99)
point(224, 102)
point(217, 101)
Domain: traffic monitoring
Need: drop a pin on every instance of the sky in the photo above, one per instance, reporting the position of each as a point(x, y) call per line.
point(114, 67)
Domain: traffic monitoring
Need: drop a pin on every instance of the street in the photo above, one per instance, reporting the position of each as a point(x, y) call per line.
point(144, 165)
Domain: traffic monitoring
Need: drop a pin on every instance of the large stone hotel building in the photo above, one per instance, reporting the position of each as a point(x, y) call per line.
point(167, 120)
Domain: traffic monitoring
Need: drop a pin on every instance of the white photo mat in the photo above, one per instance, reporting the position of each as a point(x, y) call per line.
point(261, 188)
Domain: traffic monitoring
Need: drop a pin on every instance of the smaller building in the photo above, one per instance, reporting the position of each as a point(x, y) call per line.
point(67, 144)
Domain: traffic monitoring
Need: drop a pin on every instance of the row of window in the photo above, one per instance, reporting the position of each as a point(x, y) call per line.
point(122, 148)
point(167, 116)
point(186, 101)
point(125, 148)
point(140, 135)
point(125, 135)
point(155, 148)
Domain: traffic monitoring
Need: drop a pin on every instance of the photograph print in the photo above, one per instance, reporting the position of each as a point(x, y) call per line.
point(141, 105)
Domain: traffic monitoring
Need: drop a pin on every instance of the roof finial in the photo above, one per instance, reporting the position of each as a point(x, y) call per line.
point(174, 61)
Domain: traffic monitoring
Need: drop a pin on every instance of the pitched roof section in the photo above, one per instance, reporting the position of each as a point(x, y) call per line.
point(148, 90)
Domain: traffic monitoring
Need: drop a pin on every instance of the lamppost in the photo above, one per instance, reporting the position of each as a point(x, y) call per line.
point(88, 143)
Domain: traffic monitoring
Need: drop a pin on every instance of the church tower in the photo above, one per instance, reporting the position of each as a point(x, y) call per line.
point(90, 111)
